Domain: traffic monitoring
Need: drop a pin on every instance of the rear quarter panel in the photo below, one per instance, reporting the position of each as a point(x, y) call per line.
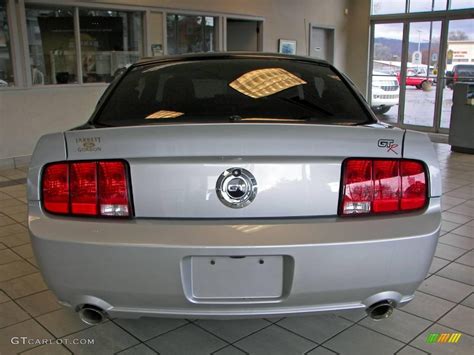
point(418, 146)
point(50, 148)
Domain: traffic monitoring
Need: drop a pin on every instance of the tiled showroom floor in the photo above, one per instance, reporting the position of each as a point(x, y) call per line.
point(444, 302)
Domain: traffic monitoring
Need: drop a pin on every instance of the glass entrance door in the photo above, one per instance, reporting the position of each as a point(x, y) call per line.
point(386, 63)
point(420, 69)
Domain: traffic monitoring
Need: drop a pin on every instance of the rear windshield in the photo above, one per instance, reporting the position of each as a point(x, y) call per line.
point(232, 90)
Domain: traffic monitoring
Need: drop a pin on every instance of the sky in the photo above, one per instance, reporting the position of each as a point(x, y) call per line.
point(398, 6)
point(395, 30)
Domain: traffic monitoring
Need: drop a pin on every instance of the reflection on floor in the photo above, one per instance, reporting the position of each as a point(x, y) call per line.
point(444, 303)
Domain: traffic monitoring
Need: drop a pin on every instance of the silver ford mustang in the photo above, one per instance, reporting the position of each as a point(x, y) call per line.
point(233, 185)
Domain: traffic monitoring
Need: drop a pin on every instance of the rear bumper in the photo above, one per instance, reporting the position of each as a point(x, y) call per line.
point(143, 268)
point(376, 101)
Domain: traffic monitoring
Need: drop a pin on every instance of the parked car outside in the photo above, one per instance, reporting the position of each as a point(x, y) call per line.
point(460, 73)
point(233, 185)
point(413, 78)
point(385, 92)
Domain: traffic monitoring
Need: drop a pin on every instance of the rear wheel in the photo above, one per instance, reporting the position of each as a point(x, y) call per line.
point(418, 86)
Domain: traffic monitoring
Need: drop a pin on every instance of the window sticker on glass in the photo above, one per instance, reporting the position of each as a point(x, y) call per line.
point(265, 82)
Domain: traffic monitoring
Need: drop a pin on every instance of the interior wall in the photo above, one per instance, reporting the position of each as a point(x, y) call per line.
point(25, 115)
point(156, 32)
point(358, 30)
point(287, 19)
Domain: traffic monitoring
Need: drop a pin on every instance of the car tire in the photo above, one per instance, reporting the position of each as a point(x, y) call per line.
point(380, 110)
point(426, 85)
point(418, 86)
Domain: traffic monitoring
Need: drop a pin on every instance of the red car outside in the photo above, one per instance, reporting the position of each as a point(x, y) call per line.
point(413, 79)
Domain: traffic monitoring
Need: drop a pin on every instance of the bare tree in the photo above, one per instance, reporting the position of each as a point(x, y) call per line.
point(457, 35)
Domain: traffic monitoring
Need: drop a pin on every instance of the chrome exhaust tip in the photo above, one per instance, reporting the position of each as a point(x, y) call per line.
point(91, 315)
point(381, 310)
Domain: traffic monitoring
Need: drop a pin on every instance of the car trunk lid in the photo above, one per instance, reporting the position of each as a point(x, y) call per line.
point(174, 169)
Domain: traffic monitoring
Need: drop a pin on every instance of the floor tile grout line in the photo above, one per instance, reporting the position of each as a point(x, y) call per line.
point(388, 336)
point(250, 334)
point(324, 347)
point(21, 256)
point(295, 333)
point(448, 278)
point(114, 320)
point(439, 242)
point(406, 345)
point(235, 341)
point(454, 246)
point(312, 349)
point(25, 259)
point(460, 235)
point(451, 262)
point(430, 294)
point(30, 349)
point(17, 277)
point(125, 330)
point(335, 335)
point(230, 345)
point(188, 322)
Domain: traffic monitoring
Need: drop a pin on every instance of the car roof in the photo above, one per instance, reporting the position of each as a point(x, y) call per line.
point(227, 55)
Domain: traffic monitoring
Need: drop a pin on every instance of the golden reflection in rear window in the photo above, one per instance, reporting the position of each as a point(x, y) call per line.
point(265, 82)
point(163, 114)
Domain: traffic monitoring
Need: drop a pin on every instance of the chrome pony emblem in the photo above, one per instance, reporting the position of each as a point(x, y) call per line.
point(236, 187)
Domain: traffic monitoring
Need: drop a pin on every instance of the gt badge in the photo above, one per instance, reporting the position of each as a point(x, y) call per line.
point(236, 187)
point(389, 144)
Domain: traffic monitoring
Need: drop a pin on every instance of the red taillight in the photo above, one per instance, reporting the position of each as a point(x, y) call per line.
point(382, 186)
point(413, 185)
point(83, 188)
point(90, 188)
point(113, 199)
point(56, 188)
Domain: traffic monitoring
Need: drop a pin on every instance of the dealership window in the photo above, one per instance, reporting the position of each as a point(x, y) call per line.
point(51, 44)
point(188, 33)
point(462, 4)
point(6, 71)
point(427, 5)
point(110, 41)
point(419, 50)
point(381, 7)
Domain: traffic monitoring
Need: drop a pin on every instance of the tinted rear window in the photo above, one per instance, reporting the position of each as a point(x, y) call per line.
point(232, 90)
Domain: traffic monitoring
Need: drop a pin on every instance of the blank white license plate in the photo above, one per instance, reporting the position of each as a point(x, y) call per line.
point(237, 277)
